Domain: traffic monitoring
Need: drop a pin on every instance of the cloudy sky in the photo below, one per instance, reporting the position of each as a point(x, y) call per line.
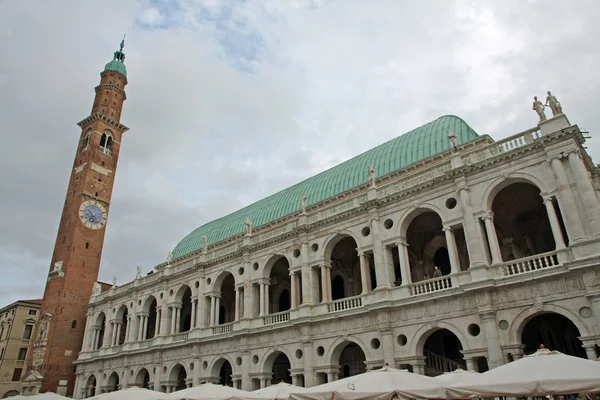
point(229, 101)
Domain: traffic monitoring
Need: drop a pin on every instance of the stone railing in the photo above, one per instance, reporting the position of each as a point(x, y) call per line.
point(503, 146)
point(440, 364)
point(180, 337)
point(224, 328)
point(277, 318)
point(430, 285)
point(530, 264)
point(345, 304)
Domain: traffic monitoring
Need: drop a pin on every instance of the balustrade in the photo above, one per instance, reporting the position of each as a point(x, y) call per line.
point(225, 328)
point(347, 303)
point(530, 264)
point(430, 285)
point(277, 318)
point(180, 337)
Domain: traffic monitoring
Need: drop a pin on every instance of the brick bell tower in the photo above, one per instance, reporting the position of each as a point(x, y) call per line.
point(76, 259)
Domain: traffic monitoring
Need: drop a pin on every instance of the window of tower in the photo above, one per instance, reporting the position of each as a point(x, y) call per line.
point(106, 142)
point(74, 324)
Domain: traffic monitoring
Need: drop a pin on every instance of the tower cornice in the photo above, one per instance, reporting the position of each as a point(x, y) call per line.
point(101, 117)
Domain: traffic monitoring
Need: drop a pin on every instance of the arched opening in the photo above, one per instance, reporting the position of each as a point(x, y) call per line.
point(179, 375)
point(555, 332)
point(143, 379)
point(185, 317)
point(101, 326)
point(90, 386)
point(112, 384)
point(150, 308)
point(427, 246)
point(10, 393)
point(279, 286)
point(337, 288)
point(281, 369)
point(442, 350)
point(225, 374)
point(345, 263)
point(352, 360)
point(122, 317)
point(227, 300)
point(521, 222)
point(441, 259)
point(284, 300)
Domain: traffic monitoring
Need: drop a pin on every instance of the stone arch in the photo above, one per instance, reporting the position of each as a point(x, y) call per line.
point(181, 291)
point(218, 281)
point(333, 239)
point(432, 248)
point(150, 306)
point(420, 337)
point(10, 393)
point(496, 185)
point(147, 302)
point(113, 382)
point(270, 356)
point(409, 215)
point(101, 325)
point(176, 373)
point(335, 349)
point(122, 316)
point(91, 385)
point(143, 378)
point(217, 364)
point(271, 260)
point(521, 320)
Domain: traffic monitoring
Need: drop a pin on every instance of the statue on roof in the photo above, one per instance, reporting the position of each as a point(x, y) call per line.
point(114, 283)
point(453, 140)
point(248, 224)
point(138, 274)
point(96, 289)
point(538, 107)
point(371, 180)
point(169, 257)
point(303, 204)
point(122, 43)
point(554, 104)
point(204, 243)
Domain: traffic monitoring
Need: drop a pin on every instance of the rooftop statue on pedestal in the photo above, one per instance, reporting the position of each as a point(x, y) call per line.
point(371, 179)
point(554, 104)
point(248, 224)
point(538, 107)
point(452, 137)
point(303, 204)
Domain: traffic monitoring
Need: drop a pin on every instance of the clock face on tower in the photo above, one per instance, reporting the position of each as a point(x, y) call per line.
point(92, 214)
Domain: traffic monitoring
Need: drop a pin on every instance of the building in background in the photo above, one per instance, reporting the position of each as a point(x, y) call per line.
point(17, 321)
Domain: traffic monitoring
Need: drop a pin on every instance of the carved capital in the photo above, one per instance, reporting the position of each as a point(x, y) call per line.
point(325, 265)
point(447, 228)
point(489, 214)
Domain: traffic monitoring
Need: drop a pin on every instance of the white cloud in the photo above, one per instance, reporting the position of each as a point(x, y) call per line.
point(231, 101)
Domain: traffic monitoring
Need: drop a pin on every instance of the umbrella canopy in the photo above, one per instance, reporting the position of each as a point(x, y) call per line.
point(457, 376)
point(207, 391)
point(542, 373)
point(41, 396)
point(381, 383)
point(129, 393)
point(280, 391)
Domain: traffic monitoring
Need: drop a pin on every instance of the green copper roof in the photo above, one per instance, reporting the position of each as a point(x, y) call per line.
point(417, 145)
point(115, 65)
point(118, 62)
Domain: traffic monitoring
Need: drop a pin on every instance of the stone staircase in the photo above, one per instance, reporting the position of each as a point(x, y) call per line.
point(436, 364)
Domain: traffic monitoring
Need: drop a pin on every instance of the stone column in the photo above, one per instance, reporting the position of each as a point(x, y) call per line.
point(490, 231)
point(309, 376)
point(173, 318)
point(236, 312)
point(177, 318)
point(157, 323)
point(305, 273)
point(212, 310)
point(95, 337)
point(586, 191)
point(267, 301)
point(128, 329)
point(248, 300)
point(470, 363)
point(472, 231)
point(404, 261)
point(88, 333)
point(164, 324)
point(293, 291)
point(363, 272)
point(554, 224)
point(217, 308)
point(569, 209)
point(325, 282)
point(388, 347)
point(194, 311)
point(262, 299)
point(452, 250)
point(144, 326)
point(492, 339)
point(383, 271)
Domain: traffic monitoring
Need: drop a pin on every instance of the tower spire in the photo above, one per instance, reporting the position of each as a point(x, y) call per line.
point(119, 55)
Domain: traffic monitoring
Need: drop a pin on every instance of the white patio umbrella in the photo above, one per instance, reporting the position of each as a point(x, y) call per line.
point(280, 391)
point(133, 392)
point(543, 373)
point(41, 396)
point(207, 391)
point(381, 383)
point(457, 376)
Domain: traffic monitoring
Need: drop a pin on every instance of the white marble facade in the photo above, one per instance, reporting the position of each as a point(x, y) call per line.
point(514, 226)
